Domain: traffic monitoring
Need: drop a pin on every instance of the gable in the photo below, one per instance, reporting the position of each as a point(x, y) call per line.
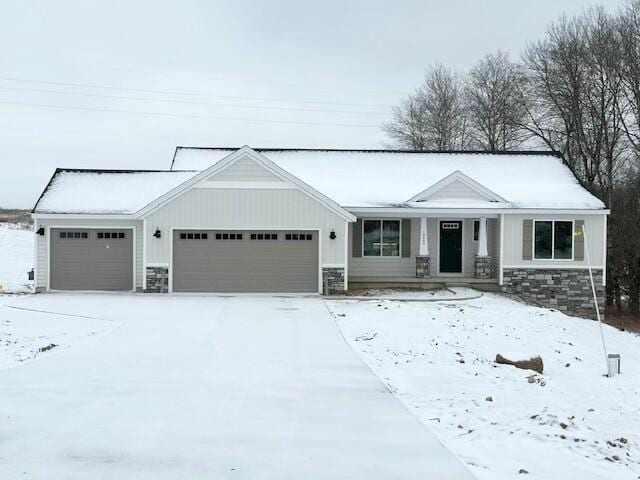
point(458, 187)
point(245, 169)
point(457, 191)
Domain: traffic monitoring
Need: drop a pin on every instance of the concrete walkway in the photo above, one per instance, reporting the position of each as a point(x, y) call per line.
point(196, 387)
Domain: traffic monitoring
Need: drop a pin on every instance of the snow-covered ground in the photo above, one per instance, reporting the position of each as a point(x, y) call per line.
point(16, 258)
point(27, 334)
point(195, 387)
point(571, 422)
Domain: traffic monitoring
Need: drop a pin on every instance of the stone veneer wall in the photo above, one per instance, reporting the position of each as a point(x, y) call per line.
point(332, 280)
point(157, 280)
point(567, 290)
point(483, 267)
point(423, 266)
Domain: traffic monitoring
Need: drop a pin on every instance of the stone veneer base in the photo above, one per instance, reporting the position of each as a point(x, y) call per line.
point(157, 280)
point(332, 280)
point(483, 267)
point(567, 290)
point(423, 266)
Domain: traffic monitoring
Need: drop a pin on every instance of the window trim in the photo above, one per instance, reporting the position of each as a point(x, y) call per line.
point(399, 220)
point(553, 241)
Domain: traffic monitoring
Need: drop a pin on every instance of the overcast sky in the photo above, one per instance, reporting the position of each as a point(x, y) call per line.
point(100, 84)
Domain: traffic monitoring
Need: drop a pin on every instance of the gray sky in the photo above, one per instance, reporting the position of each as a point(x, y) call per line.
point(217, 73)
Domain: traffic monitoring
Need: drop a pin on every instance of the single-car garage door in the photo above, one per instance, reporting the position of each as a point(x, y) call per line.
point(245, 261)
point(91, 259)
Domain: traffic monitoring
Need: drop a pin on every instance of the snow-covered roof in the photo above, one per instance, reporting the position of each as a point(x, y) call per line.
point(378, 178)
point(106, 191)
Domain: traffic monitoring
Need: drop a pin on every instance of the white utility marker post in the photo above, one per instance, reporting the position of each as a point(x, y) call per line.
point(424, 242)
point(482, 238)
point(595, 297)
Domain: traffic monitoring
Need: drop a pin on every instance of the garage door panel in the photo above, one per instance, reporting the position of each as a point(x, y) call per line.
point(91, 263)
point(270, 264)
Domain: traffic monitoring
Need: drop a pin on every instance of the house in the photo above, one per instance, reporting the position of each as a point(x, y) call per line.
point(303, 220)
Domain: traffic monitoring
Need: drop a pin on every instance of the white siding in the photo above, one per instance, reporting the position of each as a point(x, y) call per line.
point(456, 190)
point(244, 169)
point(593, 224)
point(213, 208)
point(42, 261)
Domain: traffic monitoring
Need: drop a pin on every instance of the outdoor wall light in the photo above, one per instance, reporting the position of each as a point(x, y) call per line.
point(40, 231)
point(157, 233)
point(332, 235)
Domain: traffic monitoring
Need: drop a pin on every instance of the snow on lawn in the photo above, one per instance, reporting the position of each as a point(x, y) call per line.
point(438, 358)
point(16, 258)
point(27, 334)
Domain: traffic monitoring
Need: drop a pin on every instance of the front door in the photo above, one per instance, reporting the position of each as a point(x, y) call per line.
point(451, 246)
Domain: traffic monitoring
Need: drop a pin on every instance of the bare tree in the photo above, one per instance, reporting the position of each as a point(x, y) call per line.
point(573, 97)
point(493, 102)
point(629, 27)
point(432, 118)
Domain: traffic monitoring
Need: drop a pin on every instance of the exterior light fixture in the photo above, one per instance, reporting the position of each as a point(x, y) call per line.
point(40, 231)
point(332, 235)
point(157, 233)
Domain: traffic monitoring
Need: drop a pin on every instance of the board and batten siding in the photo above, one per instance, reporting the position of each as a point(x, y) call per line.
point(457, 190)
point(244, 170)
point(240, 208)
point(42, 261)
point(594, 225)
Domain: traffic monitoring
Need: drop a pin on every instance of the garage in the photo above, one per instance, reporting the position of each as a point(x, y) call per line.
point(91, 259)
point(245, 261)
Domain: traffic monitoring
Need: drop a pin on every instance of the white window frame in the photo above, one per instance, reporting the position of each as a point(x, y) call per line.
point(381, 233)
point(553, 241)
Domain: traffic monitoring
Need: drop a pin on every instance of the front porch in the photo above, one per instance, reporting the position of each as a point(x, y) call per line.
point(432, 252)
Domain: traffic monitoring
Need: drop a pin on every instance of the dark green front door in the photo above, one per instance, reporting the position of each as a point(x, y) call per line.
point(450, 247)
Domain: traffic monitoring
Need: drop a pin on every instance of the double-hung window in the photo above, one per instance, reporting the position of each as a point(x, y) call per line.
point(553, 240)
point(381, 238)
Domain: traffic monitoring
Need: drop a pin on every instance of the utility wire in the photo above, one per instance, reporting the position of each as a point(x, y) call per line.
point(201, 75)
point(184, 115)
point(187, 102)
point(171, 92)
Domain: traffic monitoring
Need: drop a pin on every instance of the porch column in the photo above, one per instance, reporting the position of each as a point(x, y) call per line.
point(423, 261)
point(482, 238)
point(424, 241)
point(483, 262)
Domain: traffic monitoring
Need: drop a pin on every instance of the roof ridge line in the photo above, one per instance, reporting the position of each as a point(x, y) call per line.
point(380, 150)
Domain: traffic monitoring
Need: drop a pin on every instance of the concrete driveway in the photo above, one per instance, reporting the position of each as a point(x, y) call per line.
point(204, 387)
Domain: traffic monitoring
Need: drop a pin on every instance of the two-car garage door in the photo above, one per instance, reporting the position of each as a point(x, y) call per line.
point(245, 261)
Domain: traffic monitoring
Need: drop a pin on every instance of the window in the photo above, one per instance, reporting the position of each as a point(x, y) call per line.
point(263, 236)
point(194, 236)
point(381, 238)
point(476, 230)
point(553, 240)
point(68, 235)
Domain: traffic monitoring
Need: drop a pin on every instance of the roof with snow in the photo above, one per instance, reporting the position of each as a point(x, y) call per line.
point(379, 178)
point(106, 191)
point(352, 178)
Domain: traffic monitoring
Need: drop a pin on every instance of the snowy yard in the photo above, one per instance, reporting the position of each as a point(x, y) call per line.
point(571, 422)
point(187, 386)
point(16, 258)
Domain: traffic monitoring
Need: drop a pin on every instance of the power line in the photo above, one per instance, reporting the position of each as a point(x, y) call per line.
point(184, 115)
point(170, 92)
point(201, 75)
point(186, 102)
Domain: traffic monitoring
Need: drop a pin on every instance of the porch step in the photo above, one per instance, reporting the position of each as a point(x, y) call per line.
point(430, 283)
